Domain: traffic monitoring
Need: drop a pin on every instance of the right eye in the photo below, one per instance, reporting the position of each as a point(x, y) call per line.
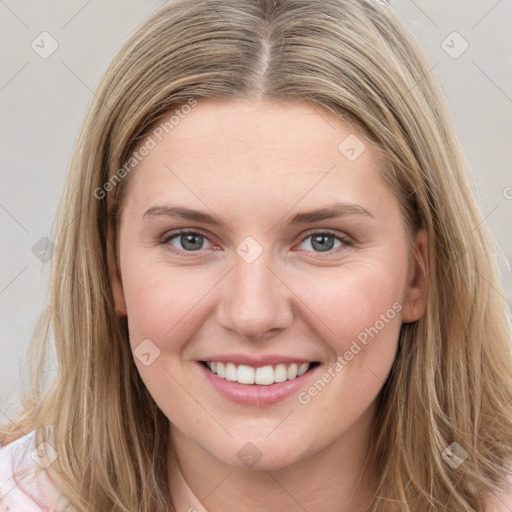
point(187, 241)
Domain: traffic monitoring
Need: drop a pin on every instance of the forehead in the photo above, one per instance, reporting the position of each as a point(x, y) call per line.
point(254, 152)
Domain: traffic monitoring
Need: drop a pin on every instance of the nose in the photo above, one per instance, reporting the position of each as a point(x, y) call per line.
point(255, 300)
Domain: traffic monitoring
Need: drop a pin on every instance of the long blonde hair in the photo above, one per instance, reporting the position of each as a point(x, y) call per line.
point(451, 381)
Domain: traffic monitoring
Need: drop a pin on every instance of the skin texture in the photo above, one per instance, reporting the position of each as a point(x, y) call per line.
point(253, 165)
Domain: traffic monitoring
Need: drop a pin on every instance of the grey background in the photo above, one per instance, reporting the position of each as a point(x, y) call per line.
point(43, 102)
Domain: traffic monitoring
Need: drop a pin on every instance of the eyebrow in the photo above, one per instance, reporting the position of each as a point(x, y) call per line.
point(331, 211)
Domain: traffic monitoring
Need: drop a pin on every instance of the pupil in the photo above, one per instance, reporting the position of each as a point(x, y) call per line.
point(321, 240)
point(189, 238)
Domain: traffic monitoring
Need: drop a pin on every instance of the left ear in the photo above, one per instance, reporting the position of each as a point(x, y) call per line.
point(415, 300)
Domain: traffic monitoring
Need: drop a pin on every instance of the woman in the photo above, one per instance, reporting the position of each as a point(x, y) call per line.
point(337, 338)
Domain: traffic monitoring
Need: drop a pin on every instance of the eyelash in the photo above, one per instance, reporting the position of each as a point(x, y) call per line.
point(347, 242)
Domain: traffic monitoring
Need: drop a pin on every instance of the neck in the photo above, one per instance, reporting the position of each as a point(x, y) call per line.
point(339, 478)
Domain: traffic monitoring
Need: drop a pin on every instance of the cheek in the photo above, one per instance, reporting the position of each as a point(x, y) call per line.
point(163, 303)
point(359, 317)
point(352, 298)
point(166, 307)
point(358, 314)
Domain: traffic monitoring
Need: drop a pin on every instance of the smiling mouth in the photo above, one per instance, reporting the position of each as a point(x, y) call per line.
point(263, 375)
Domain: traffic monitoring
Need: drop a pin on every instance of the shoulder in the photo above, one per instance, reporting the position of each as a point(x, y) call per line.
point(24, 484)
point(502, 502)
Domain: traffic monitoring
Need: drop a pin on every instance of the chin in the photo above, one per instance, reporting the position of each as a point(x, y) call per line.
point(260, 454)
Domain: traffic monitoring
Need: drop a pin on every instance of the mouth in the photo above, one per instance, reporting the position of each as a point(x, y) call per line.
point(267, 375)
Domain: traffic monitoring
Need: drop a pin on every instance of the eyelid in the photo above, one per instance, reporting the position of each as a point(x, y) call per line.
point(338, 234)
point(175, 232)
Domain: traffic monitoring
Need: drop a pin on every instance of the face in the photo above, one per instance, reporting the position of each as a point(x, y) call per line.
point(259, 280)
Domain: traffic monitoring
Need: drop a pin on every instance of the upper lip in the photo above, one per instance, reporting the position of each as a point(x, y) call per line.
point(256, 362)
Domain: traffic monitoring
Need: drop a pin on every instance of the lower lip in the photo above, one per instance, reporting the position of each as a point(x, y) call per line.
point(254, 394)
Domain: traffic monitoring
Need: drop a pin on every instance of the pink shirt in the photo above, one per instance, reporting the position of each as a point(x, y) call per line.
point(26, 487)
point(24, 483)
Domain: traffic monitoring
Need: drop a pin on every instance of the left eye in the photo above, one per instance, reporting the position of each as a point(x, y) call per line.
point(190, 240)
point(323, 241)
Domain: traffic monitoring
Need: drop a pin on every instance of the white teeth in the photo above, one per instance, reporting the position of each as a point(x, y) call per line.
point(291, 373)
point(303, 368)
point(245, 374)
point(230, 372)
point(280, 373)
point(264, 375)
